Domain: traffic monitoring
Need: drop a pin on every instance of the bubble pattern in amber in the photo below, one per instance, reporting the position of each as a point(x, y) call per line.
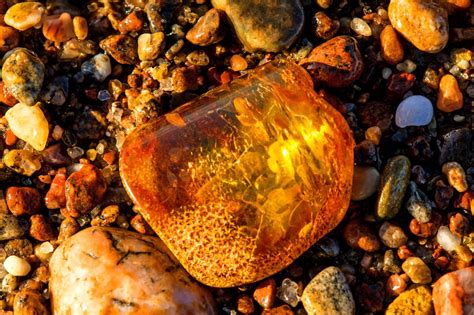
point(241, 181)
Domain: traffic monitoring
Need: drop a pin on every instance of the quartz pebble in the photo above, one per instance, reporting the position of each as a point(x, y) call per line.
point(288, 292)
point(129, 273)
point(418, 204)
point(150, 46)
point(24, 15)
point(450, 97)
point(29, 124)
point(392, 236)
point(328, 293)
point(453, 293)
point(81, 29)
point(58, 28)
point(417, 270)
point(16, 266)
point(99, 67)
point(390, 46)
point(448, 241)
point(415, 110)
point(23, 74)
point(22, 161)
point(456, 176)
point(10, 228)
point(361, 27)
point(365, 182)
point(208, 30)
point(413, 301)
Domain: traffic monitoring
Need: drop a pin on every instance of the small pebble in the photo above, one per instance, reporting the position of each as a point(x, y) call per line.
point(208, 30)
point(418, 204)
point(150, 46)
point(407, 66)
point(324, 4)
point(24, 15)
point(123, 48)
point(22, 161)
point(358, 235)
point(16, 266)
point(23, 200)
point(417, 270)
point(415, 110)
point(456, 176)
point(459, 224)
point(413, 301)
point(390, 46)
point(324, 26)
point(81, 29)
point(265, 293)
point(450, 97)
point(386, 73)
point(10, 227)
point(238, 63)
point(447, 240)
point(245, 304)
point(396, 284)
point(462, 57)
point(365, 182)
point(99, 67)
point(41, 229)
point(58, 28)
point(361, 27)
point(392, 236)
point(373, 134)
point(198, 58)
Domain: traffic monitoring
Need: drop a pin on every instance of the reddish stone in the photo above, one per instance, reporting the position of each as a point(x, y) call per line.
point(23, 200)
point(41, 229)
point(140, 225)
point(453, 293)
point(265, 292)
point(56, 195)
point(359, 236)
point(280, 310)
point(5, 96)
point(208, 29)
point(131, 23)
point(399, 83)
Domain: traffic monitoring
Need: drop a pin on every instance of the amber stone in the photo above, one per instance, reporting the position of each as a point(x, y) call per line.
point(241, 181)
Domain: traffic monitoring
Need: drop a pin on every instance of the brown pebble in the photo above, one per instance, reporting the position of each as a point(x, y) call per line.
point(450, 97)
point(56, 196)
point(140, 225)
point(28, 302)
point(399, 83)
point(68, 228)
point(81, 29)
point(107, 217)
point(122, 48)
point(359, 236)
point(396, 284)
point(456, 4)
point(208, 30)
point(23, 200)
point(427, 229)
point(10, 138)
point(58, 28)
point(245, 304)
point(335, 63)
point(324, 26)
point(185, 78)
point(131, 23)
point(110, 157)
point(392, 235)
point(459, 224)
point(238, 63)
point(280, 310)
point(390, 46)
point(5, 96)
point(9, 38)
point(41, 229)
point(265, 292)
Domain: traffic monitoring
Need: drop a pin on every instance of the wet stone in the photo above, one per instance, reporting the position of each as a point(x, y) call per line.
point(265, 293)
point(58, 28)
point(453, 291)
point(414, 301)
point(122, 48)
point(19, 247)
point(456, 176)
point(41, 229)
point(56, 196)
point(98, 67)
point(391, 47)
point(24, 15)
point(22, 161)
point(29, 302)
point(324, 27)
point(450, 97)
point(10, 227)
point(258, 30)
point(288, 292)
point(358, 235)
point(150, 46)
point(392, 235)
point(208, 30)
point(415, 110)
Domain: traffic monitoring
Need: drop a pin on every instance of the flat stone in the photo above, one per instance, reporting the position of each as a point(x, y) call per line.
point(113, 271)
point(453, 293)
point(264, 25)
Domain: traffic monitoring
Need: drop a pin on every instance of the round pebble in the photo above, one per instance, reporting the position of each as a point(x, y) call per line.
point(361, 27)
point(417, 270)
point(150, 46)
point(392, 236)
point(390, 46)
point(450, 97)
point(24, 15)
point(447, 240)
point(16, 266)
point(415, 110)
point(99, 67)
point(365, 182)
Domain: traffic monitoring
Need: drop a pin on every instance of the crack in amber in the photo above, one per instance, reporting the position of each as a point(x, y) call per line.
point(241, 181)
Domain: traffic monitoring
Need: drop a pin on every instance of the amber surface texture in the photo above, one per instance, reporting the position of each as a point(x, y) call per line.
point(241, 181)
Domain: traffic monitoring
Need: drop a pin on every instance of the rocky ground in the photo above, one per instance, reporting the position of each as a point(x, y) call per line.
point(78, 77)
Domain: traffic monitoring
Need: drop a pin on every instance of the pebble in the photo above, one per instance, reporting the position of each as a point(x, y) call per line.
point(413, 301)
point(396, 284)
point(427, 229)
point(150, 46)
point(454, 146)
point(459, 224)
point(398, 84)
point(324, 27)
point(280, 310)
point(245, 304)
point(98, 66)
point(366, 180)
point(131, 23)
point(394, 183)
point(453, 293)
point(457, 4)
point(456, 176)
point(336, 63)
point(328, 293)
point(424, 23)
point(16, 266)
point(53, 155)
point(130, 273)
point(208, 30)
point(450, 97)
point(415, 110)
point(361, 27)
point(23, 200)
point(19, 247)
point(417, 270)
point(84, 190)
point(238, 63)
point(288, 292)
point(122, 48)
point(41, 229)
point(461, 57)
point(324, 4)
point(418, 204)
point(374, 134)
point(23, 74)
point(358, 235)
point(22, 161)
point(29, 302)
point(265, 293)
point(5, 96)
point(58, 28)
point(260, 31)
point(407, 66)
point(29, 124)
point(81, 29)
point(9, 38)
point(390, 46)
point(392, 235)
point(447, 240)
point(24, 15)
point(10, 227)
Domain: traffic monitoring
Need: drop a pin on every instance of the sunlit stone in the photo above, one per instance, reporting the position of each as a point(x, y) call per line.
point(241, 181)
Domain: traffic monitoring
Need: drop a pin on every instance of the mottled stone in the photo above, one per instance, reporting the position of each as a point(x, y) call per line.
point(417, 270)
point(24, 15)
point(424, 23)
point(113, 271)
point(10, 227)
point(23, 200)
point(358, 235)
point(208, 30)
point(289, 189)
point(414, 301)
point(28, 302)
point(122, 48)
point(265, 293)
point(392, 235)
point(259, 30)
point(328, 293)
point(453, 293)
point(335, 63)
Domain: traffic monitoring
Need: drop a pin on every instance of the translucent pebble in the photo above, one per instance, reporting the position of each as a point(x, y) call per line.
point(98, 66)
point(22, 161)
point(44, 251)
point(288, 292)
point(24, 15)
point(29, 124)
point(103, 95)
point(415, 110)
point(361, 27)
point(16, 266)
point(447, 240)
point(386, 73)
point(75, 152)
point(407, 66)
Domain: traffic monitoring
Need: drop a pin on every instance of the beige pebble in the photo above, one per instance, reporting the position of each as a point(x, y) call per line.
point(16, 266)
point(81, 28)
point(24, 15)
point(456, 176)
point(150, 45)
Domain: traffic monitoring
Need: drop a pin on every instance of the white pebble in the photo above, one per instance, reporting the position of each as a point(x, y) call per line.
point(447, 240)
point(407, 66)
point(98, 66)
point(415, 110)
point(16, 266)
point(361, 27)
point(386, 73)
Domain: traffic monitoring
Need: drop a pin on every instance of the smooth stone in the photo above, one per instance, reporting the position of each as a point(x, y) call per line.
point(208, 30)
point(454, 145)
point(260, 31)
point(365, 182)
point(150, 45)
point(450, 97)
point(413, 301)
point(23, 75)
point(113, 271)
point(390, 46)
point(24, 15)
point(392, 235)
point(328, 293)
point(16, 266)
point(10, 227)
point(417, 270)
point(418, 204)
point(415, 110)
point(453, 293)
point(447, 240)
point(335, 63)
point(358, 235)
point(393, 186)
point(424, 23)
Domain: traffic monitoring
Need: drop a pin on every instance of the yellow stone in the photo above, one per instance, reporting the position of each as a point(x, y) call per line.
point(414, 301)
point(241, 181)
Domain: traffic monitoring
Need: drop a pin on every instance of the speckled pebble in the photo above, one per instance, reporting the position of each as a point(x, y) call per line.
point(414, 301)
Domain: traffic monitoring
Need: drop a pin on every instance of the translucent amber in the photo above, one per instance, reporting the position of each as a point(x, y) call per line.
point(241, 181)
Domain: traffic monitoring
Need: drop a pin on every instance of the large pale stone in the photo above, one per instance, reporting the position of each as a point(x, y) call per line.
point(243, 180)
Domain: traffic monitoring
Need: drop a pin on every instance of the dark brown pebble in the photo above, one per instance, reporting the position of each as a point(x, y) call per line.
point(122, 48)
point(324, 27)
point(23, 200)
point(358, 235)
point(41, 229)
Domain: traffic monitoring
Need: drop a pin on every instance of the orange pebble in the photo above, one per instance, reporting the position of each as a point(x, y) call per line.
point(391, 47)
point(10, 138)
point(238, 63)
point(109, 157)
point(450, 97)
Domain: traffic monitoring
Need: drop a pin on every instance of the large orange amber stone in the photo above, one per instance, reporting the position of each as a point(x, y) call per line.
point(241, 181)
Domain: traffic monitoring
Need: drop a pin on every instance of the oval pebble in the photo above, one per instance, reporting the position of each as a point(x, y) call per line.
point(447, 240)
point(365, 182)
point(415, 110)
point(16, 266)
point(24, 15)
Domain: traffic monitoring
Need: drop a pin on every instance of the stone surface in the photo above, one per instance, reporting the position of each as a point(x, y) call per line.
point(328, 293)
point(58, 28)
point(415, 110)
point(392, 235)
point(450, 97)
point(122, 48)
point(265, 293)
point(453, 293)
point(418, 204)
point(365, 183)
point(150, 45)
point(417, 270)
point(29, 302)
point(259, 30)
point(22, 161)
point(23, 200)
point(393, 186)
point(113, 271)
point(23, 74)
point(414, 301)
point(424, 23)
point(56, 196)
point(24, 15)
point(208, 30)
point(254, 219)
point(390, 46)
point(9, 38)
point(10, 228)
point(335, 63)
point(456, 176)
point(358, 235)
